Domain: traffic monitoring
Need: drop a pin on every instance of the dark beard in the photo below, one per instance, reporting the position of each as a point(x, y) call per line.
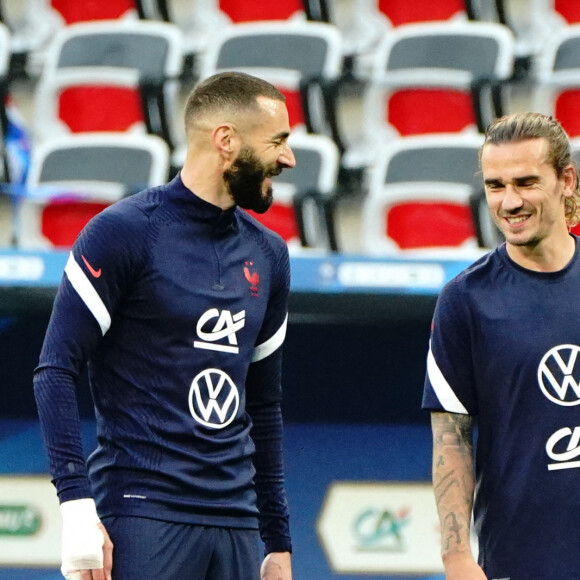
point(245, 179)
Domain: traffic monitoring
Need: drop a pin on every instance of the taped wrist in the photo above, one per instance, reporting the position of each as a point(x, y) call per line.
point(82, 539)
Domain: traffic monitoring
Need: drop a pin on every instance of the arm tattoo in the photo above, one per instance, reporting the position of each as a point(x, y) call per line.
point(453, 530)
point(453, 478)
point(452, 429)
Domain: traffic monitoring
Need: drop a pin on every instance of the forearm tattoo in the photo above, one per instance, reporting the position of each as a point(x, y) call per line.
point(453, 478)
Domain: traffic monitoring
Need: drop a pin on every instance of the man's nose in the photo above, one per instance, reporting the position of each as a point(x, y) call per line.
point(512, 200)
point(286, 158)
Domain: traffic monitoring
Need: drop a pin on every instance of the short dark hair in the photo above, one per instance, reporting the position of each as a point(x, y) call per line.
point(233, 91)
point(527, 125)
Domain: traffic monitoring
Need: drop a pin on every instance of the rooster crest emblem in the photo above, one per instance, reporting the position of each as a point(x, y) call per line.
point(252, 277)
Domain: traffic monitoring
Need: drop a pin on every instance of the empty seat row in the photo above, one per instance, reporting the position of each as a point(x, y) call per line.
point(361, 21)
point(426, 78)
point(73, 177)
point(419, 200)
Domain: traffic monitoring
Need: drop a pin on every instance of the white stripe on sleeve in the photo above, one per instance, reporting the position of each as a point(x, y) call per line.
point(443, 390)
point(87, 293)
point(267, 348)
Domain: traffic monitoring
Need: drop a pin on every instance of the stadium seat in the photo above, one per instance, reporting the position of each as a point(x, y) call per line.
point(110, 76)
point(434, 78)
point(303, 59)
point(439, 76)
point(73, 177)
point(534, 21)
point(558, 78)
point(419, 194)
point(426, 218)
point(569, 10)
point(34, 23)
point(186, 14)
point(364, 23)
point(403, 12)
point(256, 10)
point(432, 158)
point(302, 212)
point(73, 11)
point(201, 19)
point(236, 10)
point(198, 21)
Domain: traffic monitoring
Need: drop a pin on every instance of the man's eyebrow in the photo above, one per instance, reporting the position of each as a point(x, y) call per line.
point(281, 135)
point(523, 178)
point(528, 178)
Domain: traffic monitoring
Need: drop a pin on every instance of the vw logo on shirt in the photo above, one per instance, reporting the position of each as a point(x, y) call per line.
point(559, 374)
point(214, 399)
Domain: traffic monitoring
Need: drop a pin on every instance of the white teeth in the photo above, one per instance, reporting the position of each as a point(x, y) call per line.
point(517, 220)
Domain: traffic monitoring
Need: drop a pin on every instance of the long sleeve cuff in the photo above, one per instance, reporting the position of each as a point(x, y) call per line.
point(272, 503)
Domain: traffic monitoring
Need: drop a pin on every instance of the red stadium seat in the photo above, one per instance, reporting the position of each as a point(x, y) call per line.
point(280, 218)
point(73, 11)
point(112, 108)
point(433, 78)
point(419, 196)
point(568, 9)
point(442, 224)
point(567, 110)
point(405, 12)
point(430, 110)
point(256, 10)
point(74, 177)
point(429, 74)
point(110, 76)
point(295, 106)
point(425, 217)
point(64, 218)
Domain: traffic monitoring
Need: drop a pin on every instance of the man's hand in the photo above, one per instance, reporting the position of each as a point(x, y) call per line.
point(276, 566)
point(87, 550)
point(462, 566)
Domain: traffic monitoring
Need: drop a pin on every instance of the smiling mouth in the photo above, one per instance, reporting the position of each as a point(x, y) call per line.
point(268, 177)
point(517, 220)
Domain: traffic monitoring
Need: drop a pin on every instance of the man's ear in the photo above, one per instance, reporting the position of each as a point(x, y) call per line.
point(570, 180)
point(226, 141)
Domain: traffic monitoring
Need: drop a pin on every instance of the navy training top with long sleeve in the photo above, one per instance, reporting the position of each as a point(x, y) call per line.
point(180, 309)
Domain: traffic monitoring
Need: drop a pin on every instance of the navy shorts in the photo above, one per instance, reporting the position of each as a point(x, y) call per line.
point(146, 549)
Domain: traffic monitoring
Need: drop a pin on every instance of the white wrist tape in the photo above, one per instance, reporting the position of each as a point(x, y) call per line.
point(82, 539)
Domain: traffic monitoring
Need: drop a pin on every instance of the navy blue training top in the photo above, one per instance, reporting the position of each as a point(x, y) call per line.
point(180, 309)
point(504, 347)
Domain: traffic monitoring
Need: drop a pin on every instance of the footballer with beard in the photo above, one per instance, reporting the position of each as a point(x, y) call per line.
point(176, 300)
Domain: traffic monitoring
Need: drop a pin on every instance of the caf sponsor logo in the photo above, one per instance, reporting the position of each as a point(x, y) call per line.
point(381, 530)
point(217, 330)
point(559, 375)
point(214, 399)
point(563, 447)
point(18, 520)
